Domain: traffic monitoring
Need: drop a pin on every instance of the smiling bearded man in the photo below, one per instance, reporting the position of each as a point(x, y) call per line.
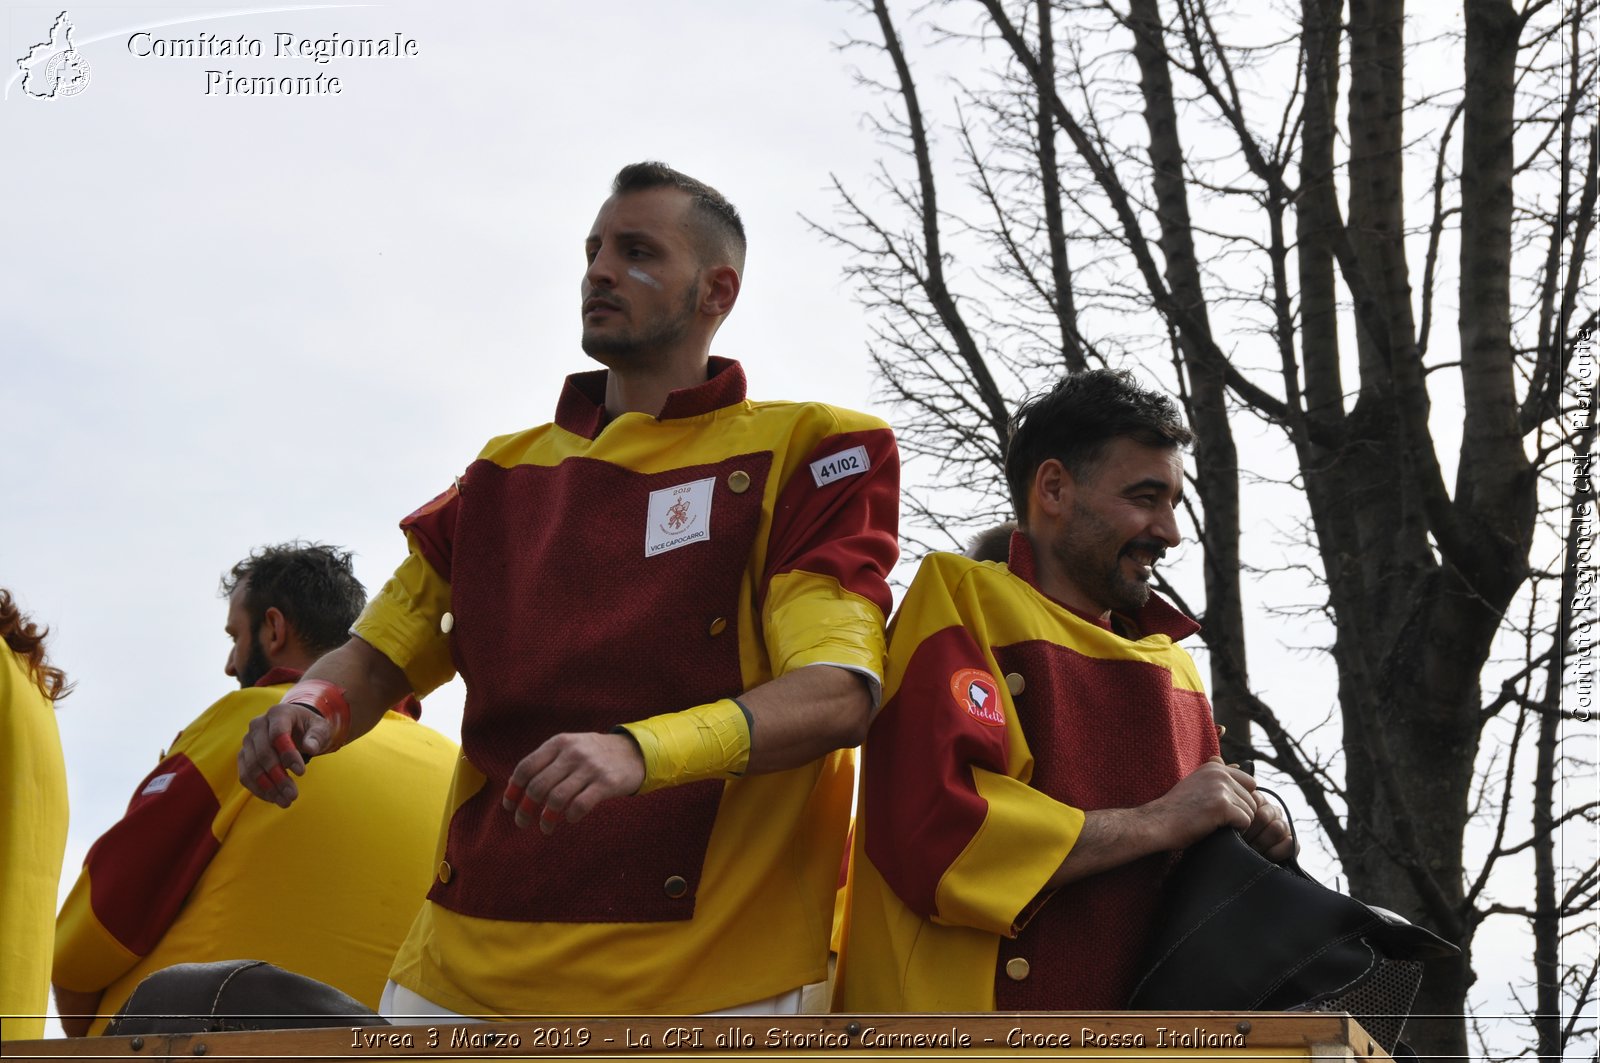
point(1045, 747)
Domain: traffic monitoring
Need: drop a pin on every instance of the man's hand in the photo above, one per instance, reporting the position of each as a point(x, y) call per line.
point(290, 733)
point(1213, 795)
point(281, 739)
point(1269, 831)
point(567, 776)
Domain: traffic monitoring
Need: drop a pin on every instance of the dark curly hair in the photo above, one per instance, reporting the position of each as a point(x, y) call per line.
point(313, 585)
point(992, 544)
point(1074, 422)
point(26, 640)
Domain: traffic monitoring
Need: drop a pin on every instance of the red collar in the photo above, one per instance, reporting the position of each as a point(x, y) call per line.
point(275, 676)
point(582, 407)
point(1156, 617)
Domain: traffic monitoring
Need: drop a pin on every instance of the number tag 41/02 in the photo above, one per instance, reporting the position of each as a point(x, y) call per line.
point(850, 462)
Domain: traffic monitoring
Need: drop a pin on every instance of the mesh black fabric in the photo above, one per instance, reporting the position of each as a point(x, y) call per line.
point(1382, 1002)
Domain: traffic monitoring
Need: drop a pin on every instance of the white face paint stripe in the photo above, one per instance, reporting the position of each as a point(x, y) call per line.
point(640, 275)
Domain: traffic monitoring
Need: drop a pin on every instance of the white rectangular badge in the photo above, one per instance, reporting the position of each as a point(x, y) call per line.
point(678, 516)
point(850, 462)
point(159, 784)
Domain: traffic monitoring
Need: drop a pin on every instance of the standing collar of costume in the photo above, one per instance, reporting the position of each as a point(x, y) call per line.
point(410, 706)
point(1155, 617)
point(582, 408)
point(275, 676)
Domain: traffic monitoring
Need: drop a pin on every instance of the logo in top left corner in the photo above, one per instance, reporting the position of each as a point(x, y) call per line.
point(53, 69)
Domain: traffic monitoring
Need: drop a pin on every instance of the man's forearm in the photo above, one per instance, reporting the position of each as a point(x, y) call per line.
point(794, 720)
point(804, 715)
point(371, 683)
point(1109, 838)
point(1213, 795)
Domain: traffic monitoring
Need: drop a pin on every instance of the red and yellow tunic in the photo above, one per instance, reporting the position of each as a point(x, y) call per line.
point(1007, 716)
point(33, 835)
point(600, 572)
point(197, 870)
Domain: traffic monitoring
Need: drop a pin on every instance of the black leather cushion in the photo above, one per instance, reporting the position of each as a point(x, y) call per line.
point(1239, 933)
point(235, 995)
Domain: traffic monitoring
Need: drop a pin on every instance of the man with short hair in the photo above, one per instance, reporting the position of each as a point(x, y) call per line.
point(198, 871)
point(1045, 748)
point(668, 610)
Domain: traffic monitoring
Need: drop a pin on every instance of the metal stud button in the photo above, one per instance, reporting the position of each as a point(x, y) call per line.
point(1016, 968)
point(445, 872)
point(718, 626)
point(447, 622)
point(1015, 683)
point(675, 887)
point(739, 481)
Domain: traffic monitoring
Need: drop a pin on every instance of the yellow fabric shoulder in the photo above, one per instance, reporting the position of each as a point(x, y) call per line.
point(33, 837)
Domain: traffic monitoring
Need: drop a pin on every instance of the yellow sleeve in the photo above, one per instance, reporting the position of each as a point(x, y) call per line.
point(951, 823)
point(405, 622)
point(809, 619)
point(832, 544)
point(138, 874)
point(33, 835)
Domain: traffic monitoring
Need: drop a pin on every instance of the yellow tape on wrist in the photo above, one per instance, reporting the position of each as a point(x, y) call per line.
point(709, 741)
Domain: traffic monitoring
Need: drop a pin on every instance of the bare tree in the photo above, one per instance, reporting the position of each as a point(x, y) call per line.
point(1138, 188)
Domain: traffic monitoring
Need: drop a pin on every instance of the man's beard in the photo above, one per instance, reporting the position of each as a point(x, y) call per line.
point(628, 348)
point(256, 667)
point(1082, 551)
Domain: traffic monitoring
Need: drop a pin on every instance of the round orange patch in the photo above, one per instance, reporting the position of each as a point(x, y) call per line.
point(976, 691)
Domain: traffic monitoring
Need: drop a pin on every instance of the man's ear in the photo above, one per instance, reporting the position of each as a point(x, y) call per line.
point(722, 291)
point(274, 632)
point(1052, 490)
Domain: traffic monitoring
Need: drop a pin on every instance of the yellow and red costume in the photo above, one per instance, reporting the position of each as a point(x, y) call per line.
point(33, 835)
point(198, 870)
point(598, 572)
point(1006, 717)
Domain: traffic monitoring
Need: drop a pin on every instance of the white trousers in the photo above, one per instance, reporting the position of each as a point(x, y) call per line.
point(402, 1007)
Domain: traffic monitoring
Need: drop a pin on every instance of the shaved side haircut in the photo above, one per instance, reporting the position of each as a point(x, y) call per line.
point(719, 229)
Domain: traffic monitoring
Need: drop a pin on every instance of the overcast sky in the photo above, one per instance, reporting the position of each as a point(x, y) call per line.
point(229, 320)
point(244, 319)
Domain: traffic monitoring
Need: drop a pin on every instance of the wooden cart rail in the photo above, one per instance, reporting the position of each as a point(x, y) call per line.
point(1037, 1035)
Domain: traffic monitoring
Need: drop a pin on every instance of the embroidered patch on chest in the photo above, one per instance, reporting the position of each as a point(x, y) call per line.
point(159, 784)
point(976, 691)
point(678, 516)
point(852, 462)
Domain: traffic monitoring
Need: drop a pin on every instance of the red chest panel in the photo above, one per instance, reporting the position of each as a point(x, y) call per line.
point(562, 623)
point(1104, 734)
